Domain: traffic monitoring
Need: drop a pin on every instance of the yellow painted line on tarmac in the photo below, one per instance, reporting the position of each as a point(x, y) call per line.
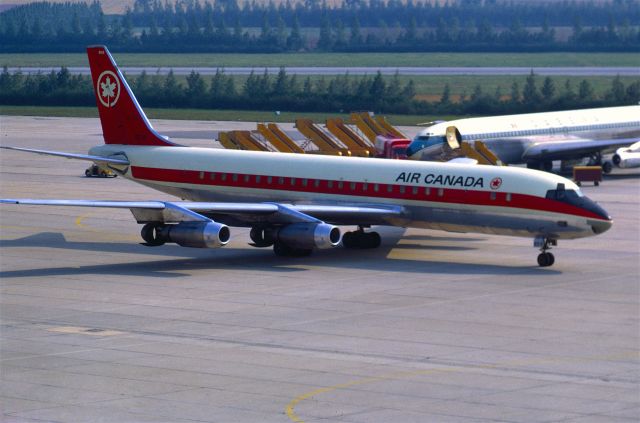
point(392, 376)
point(79, 220)
point(78, 223)
point(290, 408)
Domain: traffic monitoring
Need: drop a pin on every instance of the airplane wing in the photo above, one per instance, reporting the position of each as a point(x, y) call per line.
point(237, 214)
point(569, 149)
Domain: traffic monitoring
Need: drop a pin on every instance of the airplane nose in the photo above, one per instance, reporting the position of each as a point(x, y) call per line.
point(603, 222)
point(600, 226)
point(413, 148)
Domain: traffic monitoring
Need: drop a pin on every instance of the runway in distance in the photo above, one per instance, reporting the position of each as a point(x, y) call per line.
point(538, 139)
point(294, 202)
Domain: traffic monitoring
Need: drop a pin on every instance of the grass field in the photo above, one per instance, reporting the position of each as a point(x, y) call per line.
point(198, 114)
point(334, 59)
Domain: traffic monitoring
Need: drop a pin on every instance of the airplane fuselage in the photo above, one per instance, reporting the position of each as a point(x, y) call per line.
point(452, 197)
point(534, 137)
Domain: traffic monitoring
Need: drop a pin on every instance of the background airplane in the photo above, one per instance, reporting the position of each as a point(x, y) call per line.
point(293, 202)
point(537, 139)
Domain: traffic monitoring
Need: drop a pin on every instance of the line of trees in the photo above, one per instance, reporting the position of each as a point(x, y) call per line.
point(341, 93)
point(356, 25)
point(372, 13)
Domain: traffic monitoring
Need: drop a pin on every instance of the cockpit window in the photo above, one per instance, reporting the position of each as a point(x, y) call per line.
point(561, 194)
point(575, 198)
point(568, 196)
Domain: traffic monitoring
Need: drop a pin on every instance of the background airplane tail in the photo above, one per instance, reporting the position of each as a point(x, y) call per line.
point(122, 118)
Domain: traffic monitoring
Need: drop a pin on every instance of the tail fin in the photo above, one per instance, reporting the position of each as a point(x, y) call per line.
point(122, 118)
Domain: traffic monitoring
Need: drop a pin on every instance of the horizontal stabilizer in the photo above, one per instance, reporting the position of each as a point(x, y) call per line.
point(157, 205)
point(96, 159)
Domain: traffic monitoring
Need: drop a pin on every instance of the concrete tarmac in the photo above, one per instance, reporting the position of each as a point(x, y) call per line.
point(431, 327)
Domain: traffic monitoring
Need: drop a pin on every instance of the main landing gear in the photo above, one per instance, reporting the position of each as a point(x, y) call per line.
point(545, 259)
point(283, 250)
point(264, 237)
point(596, 160)
point(361, 239)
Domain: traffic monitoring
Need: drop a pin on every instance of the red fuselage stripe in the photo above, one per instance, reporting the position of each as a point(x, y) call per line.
point(361, 189)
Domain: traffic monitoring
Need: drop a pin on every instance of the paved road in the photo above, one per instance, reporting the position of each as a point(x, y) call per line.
point(408, 71)
point(431, 327)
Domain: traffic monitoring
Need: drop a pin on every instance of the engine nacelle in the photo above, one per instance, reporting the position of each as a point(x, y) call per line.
point(309, 235)
point(196, 234)
point(624, 159)
point(453, 138)
point(627, 157)
point(616, 159)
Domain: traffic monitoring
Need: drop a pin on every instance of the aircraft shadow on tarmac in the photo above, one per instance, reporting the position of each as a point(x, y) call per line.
point(171, 261)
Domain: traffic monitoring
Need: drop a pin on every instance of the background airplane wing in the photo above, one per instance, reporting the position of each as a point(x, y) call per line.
point(237, 214)
point(559, 150)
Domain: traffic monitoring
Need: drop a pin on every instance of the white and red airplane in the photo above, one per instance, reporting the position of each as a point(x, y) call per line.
point(292, 201)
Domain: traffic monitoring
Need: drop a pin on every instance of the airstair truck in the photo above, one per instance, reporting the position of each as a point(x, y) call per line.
point(389, 142)
point(392, 148)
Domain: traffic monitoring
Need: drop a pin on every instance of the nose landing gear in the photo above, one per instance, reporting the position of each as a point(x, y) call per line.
point(545, 259)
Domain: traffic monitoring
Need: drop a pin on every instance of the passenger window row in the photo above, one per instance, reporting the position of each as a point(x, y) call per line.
point(561, 129)
point(361, 187)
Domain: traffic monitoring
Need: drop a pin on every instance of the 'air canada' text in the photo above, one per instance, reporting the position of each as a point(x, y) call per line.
point(434, 179)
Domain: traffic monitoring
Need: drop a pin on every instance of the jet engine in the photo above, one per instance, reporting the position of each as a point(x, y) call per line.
point(453, 137)
point(309, 235)
point(627, 157)
point(187, 234)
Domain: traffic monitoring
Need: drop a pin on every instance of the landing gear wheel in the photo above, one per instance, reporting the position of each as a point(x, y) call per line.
point(150, 234)
point(373, 240)
point(361, 239)
point(349, 240)
point(261, 237)
point(607, 167)
point(546, 259)
point(283, 250)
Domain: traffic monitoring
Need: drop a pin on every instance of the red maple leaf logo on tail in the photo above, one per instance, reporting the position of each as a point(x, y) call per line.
point(108, 88)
